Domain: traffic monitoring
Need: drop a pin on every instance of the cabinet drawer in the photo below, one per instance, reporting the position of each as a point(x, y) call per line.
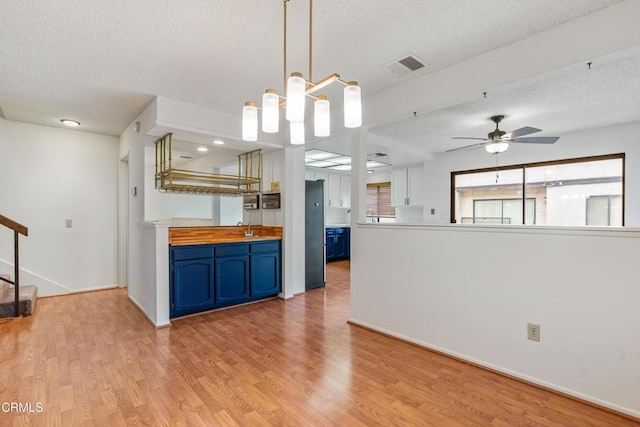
point(232, 249)
point(269, 246)
point(334, 231)
point(181, 253)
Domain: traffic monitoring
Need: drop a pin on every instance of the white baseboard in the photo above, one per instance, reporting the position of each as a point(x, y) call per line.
point(46, 287)
point(144, 313)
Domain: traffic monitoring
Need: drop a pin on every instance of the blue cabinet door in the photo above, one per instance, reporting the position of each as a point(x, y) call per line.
point(347, 236)
point(232, 279)
point(330, 240)
point(265, 274)
point(340, 246)
point(192, 286)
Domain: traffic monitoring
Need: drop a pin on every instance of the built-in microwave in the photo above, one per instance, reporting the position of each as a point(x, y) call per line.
point(251, 202)
point(271, 201)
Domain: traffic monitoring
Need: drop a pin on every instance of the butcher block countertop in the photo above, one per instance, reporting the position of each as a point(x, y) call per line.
point(179, 236)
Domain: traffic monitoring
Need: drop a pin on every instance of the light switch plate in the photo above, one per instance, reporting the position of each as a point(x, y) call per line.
point(68, 223)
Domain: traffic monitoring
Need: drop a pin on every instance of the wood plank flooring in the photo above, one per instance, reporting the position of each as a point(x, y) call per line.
point(93, 360)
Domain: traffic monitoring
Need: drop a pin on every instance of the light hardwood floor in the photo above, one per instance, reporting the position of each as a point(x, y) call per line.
point(93, 360)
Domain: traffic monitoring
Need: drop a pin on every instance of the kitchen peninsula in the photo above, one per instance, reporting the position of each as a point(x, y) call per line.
point(215, 267)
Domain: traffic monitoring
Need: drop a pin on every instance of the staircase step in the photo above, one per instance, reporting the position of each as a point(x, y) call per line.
point(27, 299)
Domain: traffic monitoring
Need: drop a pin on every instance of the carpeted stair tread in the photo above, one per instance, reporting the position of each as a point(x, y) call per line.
point(28, 296)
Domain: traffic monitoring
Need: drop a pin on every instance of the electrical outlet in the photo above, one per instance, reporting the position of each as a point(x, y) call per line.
point(533, 332)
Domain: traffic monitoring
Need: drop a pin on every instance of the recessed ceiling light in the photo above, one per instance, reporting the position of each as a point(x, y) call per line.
point(203, 149)
point(218, 142)
point(369, 170)
point(70, 123)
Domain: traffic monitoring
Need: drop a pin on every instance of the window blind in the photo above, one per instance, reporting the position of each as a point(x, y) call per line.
point(379, 200)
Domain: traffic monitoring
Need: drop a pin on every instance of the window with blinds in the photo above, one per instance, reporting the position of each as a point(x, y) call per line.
point(379, 201)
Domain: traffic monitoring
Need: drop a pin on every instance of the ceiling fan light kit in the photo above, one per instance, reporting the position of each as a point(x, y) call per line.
point(498, 141)
point(297, 90)
point(496, 147)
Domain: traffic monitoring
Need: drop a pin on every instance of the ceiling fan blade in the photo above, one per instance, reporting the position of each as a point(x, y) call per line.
point(521, 132)
point(468, 137)
point(466, 146)
point(537, 140)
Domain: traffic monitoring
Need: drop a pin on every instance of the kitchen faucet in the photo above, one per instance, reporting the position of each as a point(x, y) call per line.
point(247, 233)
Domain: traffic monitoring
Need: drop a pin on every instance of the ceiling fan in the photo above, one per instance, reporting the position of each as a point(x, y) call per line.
point(498, 140)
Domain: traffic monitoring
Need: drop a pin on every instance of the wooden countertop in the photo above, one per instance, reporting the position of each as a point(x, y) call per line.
point(179, 236)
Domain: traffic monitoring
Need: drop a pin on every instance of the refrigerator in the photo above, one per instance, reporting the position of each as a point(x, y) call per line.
point(315, 263)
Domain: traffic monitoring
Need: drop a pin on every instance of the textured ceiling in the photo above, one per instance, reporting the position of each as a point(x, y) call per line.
point(102, 62)
point(569, 100)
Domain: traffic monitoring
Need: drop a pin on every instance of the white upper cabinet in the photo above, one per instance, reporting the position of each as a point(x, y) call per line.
point(337, 188)
point(339, 191)
point(407, 186)
point(345, 191)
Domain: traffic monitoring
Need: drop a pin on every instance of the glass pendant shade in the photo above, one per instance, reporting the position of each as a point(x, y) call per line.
point(249, 122)
point(297, 133)
point(496, 147)
point(270, 111)
point(321, 117)
point(296, 87)
point(352, 106)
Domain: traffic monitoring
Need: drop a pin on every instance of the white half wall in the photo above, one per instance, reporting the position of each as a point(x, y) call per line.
point(469, 291)
point(49, 175)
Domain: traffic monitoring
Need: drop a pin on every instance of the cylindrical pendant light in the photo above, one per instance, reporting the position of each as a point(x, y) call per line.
point(296, 87)
point(249, 122)
point(352, 106)
point(297, 133)
point(270, 111)
point(321, 117)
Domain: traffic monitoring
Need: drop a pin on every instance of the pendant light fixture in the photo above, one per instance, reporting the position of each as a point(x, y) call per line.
point(270, 111)
point(297, 90)
point(297, 133)
point(250, 122)
point(321, 117)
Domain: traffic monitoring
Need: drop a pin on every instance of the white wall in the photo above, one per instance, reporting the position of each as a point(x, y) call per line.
point(273, 171)
point(164, 206)
point(293, 196)
point(140, 273)
point(48, 175)
point(607, 140)
point(466, 291)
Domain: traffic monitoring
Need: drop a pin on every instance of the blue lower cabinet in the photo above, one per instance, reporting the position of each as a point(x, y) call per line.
point(265, 274)
point(204, 277)
point(191, 286)
point(338, 243)
point(232, 279)
point(330, 244)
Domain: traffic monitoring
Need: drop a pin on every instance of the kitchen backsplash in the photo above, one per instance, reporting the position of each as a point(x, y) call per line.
point(337, 215)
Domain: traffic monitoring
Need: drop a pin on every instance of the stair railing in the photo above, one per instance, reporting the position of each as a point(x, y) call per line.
point(17, 229)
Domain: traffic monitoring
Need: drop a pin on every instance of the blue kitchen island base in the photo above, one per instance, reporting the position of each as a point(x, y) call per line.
point(210, 276)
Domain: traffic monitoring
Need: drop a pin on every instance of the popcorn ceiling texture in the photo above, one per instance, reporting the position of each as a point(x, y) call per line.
point(107, 60)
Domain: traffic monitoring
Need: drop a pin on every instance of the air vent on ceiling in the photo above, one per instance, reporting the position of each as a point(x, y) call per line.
point(406, 64)
point(378, 155)
point(186, 157)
